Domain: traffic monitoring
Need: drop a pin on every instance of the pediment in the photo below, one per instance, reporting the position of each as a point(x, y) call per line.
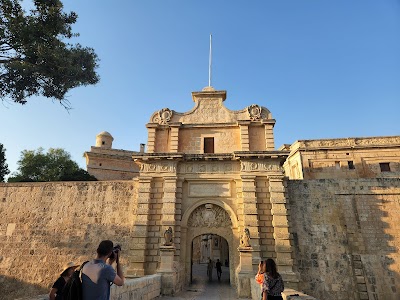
point(210, 109)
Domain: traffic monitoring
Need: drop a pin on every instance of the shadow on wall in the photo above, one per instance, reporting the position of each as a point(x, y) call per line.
point(11, 288)
point(44, 226)
point(346, 237)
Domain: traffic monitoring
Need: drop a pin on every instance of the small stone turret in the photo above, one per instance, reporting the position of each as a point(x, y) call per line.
point(104, 140)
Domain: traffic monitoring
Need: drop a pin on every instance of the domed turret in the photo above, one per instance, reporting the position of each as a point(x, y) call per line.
point(104, 140)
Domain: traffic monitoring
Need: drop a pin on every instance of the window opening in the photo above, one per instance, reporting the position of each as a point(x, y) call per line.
point(209, 145)
point(385, 167)
point(350, 163)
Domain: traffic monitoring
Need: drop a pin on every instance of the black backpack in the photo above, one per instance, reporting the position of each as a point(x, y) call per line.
point(73, 288)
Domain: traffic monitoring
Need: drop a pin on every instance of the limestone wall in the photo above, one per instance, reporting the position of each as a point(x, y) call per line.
point(45, 225)
point(227, 140)
point(347, 237)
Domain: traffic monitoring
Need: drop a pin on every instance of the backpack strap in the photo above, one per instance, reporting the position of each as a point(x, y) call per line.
point(81, 268)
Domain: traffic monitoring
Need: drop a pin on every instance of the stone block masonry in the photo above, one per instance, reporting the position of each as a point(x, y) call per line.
point(343, 235)
point(45, 225)
point(347, 237)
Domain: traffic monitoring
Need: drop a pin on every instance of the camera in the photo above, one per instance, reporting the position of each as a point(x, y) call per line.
point(115, 250)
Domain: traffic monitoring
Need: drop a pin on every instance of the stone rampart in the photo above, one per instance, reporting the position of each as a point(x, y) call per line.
point(346, 236)
point(346, 233)
point(45, 225)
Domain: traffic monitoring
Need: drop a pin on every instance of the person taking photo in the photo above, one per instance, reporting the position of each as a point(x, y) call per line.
point(98, 274)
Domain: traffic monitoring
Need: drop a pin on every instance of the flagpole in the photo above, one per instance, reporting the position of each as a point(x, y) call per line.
point(209, 63)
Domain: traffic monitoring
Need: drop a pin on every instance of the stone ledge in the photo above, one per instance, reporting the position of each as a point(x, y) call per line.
point(147, 287)
point(288, 294)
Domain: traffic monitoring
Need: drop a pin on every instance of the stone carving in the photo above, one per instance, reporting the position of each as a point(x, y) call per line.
point(210, 111)
point(245, 239)
point(209, 216)
point(260, 166)
point(160, 167)
point(168, 237)
point(254, 112)
point(349, 142)
point(164, 116)
point(209, 167)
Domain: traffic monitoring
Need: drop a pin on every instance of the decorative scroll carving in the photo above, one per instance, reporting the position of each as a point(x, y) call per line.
point(245, 239)
point(168, 237)
point(209, 216)
point(260, 166)
point(161, 167)
point(254, 112)
point(164, 116)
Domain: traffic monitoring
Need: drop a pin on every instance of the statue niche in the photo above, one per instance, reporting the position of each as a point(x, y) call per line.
point(209, 215)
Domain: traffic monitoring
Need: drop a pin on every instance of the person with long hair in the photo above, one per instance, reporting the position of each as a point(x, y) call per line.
point(272, 286)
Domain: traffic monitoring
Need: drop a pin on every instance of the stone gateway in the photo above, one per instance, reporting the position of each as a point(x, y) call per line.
point(212, 185)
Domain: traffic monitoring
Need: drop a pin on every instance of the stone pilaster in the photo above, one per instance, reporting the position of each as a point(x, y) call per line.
point(280, 222)
point(174, 137)
point(151, 138)
point(250, 216)
point(171, 209)
point(269, 137)
point(178, 218)
point(139, 233)
point(244, 135)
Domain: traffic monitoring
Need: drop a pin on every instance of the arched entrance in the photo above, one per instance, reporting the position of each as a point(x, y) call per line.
point(209, 218)
point(210, 254)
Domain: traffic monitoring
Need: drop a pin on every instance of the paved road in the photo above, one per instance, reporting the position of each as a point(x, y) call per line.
point(202, 289)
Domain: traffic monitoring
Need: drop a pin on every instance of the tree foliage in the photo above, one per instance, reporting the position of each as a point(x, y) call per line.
point(34, 56)
point(55, 165)
point(3, 165)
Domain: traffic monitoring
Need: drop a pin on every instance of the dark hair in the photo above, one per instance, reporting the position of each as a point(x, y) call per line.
point(105, 248)
point(270, 267)
point(65, 273)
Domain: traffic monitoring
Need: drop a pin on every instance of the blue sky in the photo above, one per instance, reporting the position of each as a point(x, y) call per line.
point(325, 69)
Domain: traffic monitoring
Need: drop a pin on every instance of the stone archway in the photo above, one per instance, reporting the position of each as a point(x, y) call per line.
point(209, 217)
point(204, 248)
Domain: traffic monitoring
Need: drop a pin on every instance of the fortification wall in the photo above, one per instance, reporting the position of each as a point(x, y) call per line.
point(346, 233)
point(45, 225)
point(347, 237)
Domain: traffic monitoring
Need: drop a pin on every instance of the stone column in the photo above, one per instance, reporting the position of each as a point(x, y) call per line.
point(280, 222)
point(250, 214)
point(245, 272)
point(168, 274)
point(139, 233)
point(151, 139)
point(244, 135)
